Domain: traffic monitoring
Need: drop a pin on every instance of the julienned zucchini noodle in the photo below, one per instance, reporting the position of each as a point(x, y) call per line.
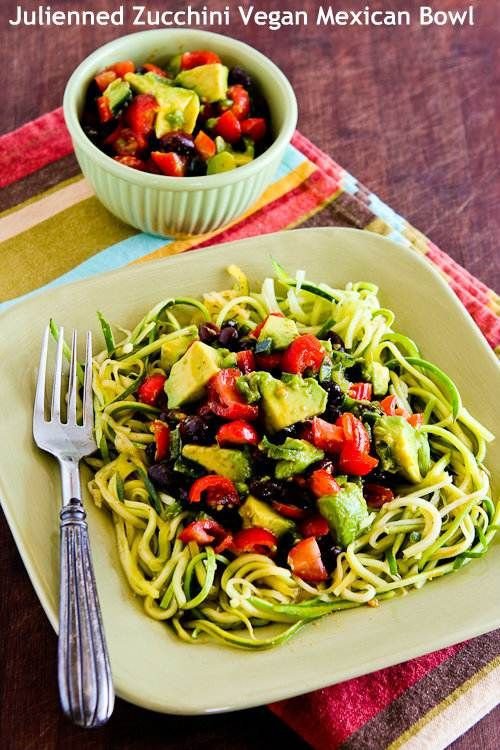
point(272, 456)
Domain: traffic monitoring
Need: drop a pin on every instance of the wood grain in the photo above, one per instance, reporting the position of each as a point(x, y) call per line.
point(413, 113)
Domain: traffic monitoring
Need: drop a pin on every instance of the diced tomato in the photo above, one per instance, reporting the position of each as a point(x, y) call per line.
point(376, 494)
point(103, 109)
point(228, 127)
point(150, 389)
point(218, 492)
point(354, 432)
point(361, 391)
point(241, 101)
point(304, 353)
point(170, 163)
point(104, 79)
point(289, 511)
point(205, 145)
point(246, 361)
point(256, 331)
point(238, 432)
point(152, 68)
point(305, 561)
point(198, 57)
point(126, 143)
point(389, 406)
point(161, 434)
point(353, 461)
point(225, 400)
point(314, 526)
point(140, 116)
point(254, 127)
point(131, 161)
point(268, 361)
point(206, 531)
point(324, 435)
point(322, 483)
point(256, 539)
point(122, 68)
point(416, 420)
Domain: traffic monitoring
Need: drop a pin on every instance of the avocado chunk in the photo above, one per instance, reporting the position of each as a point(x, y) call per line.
point(227, 462)
point(286, 401)
point(190, 374)
point(117, 93)
point(209, 81)
point(293, 456)
point(178, 111)
point(379, 375)
point(397, 447)
point(149, 83)
point(255, 512)
point(346, 513)
point(179, 108)
point(281, 331)
point(172, 350)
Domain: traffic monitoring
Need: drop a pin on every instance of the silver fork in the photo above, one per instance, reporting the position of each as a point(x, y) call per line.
point(84, 674)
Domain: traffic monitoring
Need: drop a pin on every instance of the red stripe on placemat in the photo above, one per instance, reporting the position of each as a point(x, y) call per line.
point(356, 701)
point(318, 157)
point(281, 213)
point(474, 295)
point(33, 146)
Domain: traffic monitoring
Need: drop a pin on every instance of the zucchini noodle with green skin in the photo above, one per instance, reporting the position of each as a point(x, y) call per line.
point(440, 519)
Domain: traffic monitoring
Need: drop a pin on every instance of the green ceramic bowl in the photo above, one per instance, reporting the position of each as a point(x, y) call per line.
point(180, 206)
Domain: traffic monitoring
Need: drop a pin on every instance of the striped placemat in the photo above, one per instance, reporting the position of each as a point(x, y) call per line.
point(54, 230)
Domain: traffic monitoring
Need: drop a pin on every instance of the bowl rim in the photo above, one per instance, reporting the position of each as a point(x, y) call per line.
point(146, 179)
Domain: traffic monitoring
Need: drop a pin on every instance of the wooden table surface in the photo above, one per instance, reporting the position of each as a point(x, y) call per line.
point(412, 112)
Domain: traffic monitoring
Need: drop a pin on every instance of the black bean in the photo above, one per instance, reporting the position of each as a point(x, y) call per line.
point(91, 132)
point(329, 551)
point(288, 493)
point(292, 431)
point(150, 452)
point(196, 167)
point(332, 413)
point(336, 395)
point(325, 463)
point(239, 76)
point(196, 430)
point(177, 141)
point(355, 373)
point(229, 337)
point(247, 342)
point(208, 332)
point(161, 476)
point(285, 544)
point(384, 478)
point(266, 489)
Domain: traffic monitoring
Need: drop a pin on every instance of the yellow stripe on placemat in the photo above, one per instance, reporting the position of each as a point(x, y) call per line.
point(56, 245)
point(279, 188)
point(473, 692)
point(43, 207)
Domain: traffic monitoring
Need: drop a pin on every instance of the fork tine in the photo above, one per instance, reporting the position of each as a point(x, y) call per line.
point(55, 413)
point(73, 383)
point(88, 409)
point(39, 408)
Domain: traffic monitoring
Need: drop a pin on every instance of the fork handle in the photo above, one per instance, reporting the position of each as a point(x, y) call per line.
point(84, 673)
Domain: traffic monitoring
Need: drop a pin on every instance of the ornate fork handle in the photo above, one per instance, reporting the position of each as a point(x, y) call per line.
point(85, 685)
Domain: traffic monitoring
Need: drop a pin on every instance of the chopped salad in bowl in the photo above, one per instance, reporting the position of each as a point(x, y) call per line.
point(192, 117)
